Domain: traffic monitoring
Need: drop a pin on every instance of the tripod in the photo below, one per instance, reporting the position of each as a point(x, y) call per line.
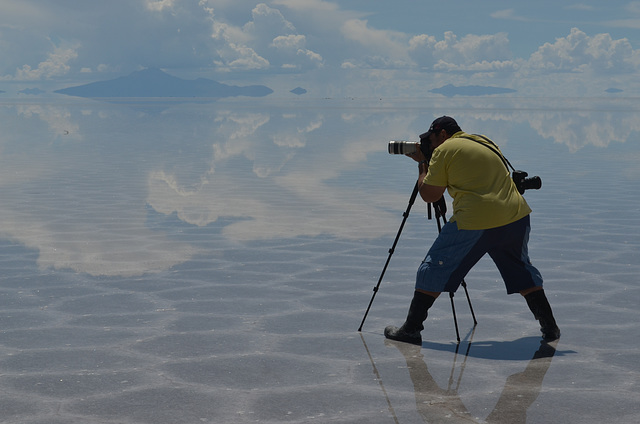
point(440, 208)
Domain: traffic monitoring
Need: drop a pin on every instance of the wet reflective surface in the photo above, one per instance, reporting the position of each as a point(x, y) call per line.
point(179, 262)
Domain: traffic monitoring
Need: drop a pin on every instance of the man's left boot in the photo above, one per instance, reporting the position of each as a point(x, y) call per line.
point(539, 305)
point(409, 332)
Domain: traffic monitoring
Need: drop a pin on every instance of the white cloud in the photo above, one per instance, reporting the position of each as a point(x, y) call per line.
point(270, 24)
point(376, 42)
point(267, 20)
point(422, 49)
point(579, 52)
point(269, 40)
point(234, 51)
point(123, 35)
point(479, 48)
point(472, 52)
point(293, 44)
point(309, 5)
point(229, 33)
point(240, 57)
point(56, 64)
point(291, 41)
point(220, 39)
point(313, 56)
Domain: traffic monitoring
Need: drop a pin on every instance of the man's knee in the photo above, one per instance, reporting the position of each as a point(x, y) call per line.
point(530, 290)
point(430, 293)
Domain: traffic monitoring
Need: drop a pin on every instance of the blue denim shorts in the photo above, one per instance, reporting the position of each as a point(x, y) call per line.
point(456, 251)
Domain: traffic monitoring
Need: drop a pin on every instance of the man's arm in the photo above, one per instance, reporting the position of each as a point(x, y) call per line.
point(429, 193)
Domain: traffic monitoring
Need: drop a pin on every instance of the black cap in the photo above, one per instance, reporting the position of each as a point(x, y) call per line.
point(446, 123)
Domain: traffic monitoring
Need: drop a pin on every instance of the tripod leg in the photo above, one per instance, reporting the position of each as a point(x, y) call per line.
point(405, 215)
point(455, 319)
point(464, 285)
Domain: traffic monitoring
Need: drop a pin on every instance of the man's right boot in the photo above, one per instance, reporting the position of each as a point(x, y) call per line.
point(409, 332)
point(539, 305)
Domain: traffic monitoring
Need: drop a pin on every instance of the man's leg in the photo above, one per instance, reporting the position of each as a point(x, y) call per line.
point(539, 305)
point(511, 256)
point(447, 262)
point(409, 332)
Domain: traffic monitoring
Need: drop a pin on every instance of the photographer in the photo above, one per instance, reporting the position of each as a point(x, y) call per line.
point(489, 216)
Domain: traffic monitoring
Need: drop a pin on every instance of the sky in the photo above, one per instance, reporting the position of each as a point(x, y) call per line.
point(360, 48)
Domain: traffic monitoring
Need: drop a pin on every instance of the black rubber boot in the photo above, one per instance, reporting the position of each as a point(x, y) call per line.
point(541, 309)
point(410, 330)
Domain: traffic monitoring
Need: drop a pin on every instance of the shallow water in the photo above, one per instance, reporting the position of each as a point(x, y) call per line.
point(177, 262)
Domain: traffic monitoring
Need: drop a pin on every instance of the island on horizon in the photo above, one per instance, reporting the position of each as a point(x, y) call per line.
point(153, 82)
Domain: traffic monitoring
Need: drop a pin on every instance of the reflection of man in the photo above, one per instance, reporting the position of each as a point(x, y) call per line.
point(489, 216)
point(437, 405)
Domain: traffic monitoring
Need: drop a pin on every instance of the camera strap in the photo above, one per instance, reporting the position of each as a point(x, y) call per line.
point(493, 147)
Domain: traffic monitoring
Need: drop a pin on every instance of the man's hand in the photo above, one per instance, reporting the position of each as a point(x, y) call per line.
point(418, 156)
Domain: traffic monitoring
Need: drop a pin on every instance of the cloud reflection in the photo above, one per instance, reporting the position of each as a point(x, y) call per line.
point(282, 173)
point(78, 179)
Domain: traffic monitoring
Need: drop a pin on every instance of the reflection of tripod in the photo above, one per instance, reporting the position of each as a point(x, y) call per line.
point(437, 405)
point(440, 208)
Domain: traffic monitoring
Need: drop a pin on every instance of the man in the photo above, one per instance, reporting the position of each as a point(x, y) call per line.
point(489, 216)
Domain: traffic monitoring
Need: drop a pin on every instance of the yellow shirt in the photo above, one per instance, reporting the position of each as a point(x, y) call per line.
point(484, 195)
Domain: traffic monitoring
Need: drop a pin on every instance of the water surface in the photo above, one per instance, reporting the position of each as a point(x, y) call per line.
point(167, 261)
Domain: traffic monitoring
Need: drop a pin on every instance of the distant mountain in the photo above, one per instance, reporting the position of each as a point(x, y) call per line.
point(450, 90)
point(153, 82)
point(613, 90)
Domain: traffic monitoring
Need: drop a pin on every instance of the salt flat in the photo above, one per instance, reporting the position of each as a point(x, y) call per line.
point(180, 263)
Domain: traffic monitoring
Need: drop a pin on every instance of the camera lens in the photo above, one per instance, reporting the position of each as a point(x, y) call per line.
point(534, 183)
point(403, 147)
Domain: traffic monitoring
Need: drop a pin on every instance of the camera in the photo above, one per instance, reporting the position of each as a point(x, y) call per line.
point(403, 147)
point(408, 147)
point(523, 183)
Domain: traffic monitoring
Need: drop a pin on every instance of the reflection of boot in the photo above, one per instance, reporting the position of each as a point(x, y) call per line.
point(522, 389)
point(410, 330)
point(434, 404)
point(547, 349)
point(541, 309)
